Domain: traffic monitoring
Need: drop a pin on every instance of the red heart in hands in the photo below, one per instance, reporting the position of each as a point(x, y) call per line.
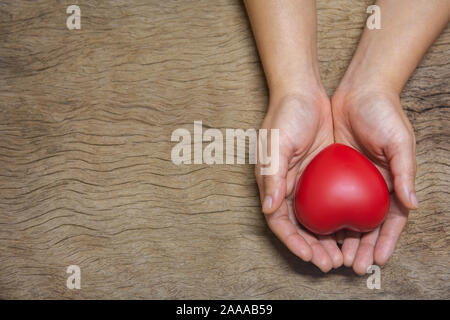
point(340, 188)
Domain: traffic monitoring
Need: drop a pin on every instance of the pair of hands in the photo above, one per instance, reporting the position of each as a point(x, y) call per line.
point(370, 120)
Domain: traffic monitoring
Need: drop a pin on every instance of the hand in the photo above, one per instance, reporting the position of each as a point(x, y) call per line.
point(373, 122)
point(306, 127)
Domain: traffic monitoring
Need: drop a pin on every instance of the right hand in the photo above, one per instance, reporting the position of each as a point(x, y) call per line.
point(305, 128)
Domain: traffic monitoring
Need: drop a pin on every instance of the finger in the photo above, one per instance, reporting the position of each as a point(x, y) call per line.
point(390, 232)
point(320, 256)
point(350, 247)
point(275, 186)
point(330, 245)
point(285, 230)
point(364, 255)
point(402, 161)
point(292, 178)
point(340, 236)
point(259, 181)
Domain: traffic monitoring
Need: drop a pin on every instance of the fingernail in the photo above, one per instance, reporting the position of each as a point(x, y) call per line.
point(267, 203)
point(413, 199)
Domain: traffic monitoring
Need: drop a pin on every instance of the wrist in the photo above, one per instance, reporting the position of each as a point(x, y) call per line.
point(351, 98)
point(312, 99)
point(367, 79)
point(308, 88)
point(314, 95)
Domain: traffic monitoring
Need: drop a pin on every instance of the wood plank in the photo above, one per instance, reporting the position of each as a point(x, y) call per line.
point(85, 172)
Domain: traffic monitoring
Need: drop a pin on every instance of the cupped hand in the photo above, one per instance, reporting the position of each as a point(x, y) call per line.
point(373, 122)
point(305, 128)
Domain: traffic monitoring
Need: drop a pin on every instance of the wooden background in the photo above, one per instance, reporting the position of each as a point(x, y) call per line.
point(85, 172)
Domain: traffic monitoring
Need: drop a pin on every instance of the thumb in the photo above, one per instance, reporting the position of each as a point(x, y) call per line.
point(273, 177)
point(402, 161)
point(275, 188)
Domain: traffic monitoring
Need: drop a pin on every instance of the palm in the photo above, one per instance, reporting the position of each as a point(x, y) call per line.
point(303, 133)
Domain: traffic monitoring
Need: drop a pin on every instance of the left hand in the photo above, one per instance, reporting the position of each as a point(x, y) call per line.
point(373, 122)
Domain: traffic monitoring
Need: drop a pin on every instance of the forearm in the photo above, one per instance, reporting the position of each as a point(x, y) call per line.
point(387, 57)
point(285, 33)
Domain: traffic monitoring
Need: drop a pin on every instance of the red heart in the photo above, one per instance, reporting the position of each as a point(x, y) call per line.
point(340, 188)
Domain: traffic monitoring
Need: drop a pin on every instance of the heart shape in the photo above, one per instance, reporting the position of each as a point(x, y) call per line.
point(340, 188)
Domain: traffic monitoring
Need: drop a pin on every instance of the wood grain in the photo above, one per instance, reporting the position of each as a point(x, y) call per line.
point(86, 178)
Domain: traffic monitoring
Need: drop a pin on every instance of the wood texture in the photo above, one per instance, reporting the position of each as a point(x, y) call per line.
point(85, 173)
